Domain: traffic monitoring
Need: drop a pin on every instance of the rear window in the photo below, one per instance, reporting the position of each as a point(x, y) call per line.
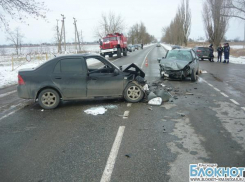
point(203, 48)
point(71, 66)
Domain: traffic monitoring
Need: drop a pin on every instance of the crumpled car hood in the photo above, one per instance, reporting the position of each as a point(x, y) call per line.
point(174, 64)
point(134, 69)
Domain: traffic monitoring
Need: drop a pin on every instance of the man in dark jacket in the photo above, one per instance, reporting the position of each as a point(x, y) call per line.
point(226, 52)
point(211, 53)
point(220, 51)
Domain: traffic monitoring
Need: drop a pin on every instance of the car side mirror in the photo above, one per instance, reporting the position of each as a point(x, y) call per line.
point(159, 60)
point(116, 72)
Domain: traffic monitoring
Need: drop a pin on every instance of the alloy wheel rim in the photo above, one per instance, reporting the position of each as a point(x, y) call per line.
point(134, 92)
point(48, 99)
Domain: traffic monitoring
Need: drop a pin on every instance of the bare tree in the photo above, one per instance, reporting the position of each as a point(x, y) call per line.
point(20, 10)
point(215, 24)
point(236, 9)
point(179, 29)
point(139, 34)
point(15, 37)
point(108, 24)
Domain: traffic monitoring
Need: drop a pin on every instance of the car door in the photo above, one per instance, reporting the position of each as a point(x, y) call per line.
point(102, 80)
point(70, 76)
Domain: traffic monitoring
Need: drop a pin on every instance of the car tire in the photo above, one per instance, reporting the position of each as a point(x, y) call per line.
point(133, 93)
point(48, 99)
point(193, 75)
point(119, 52)
point(197, 71)
point(125, 52)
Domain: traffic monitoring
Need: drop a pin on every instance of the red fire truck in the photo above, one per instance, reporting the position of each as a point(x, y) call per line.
point(113, 44)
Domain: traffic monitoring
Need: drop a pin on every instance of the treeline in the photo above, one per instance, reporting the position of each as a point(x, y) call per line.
point(139, 35)
point(179, 29)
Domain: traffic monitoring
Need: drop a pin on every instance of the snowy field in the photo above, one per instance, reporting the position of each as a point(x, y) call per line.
point(50, 49)
point(235, 60)
point(9, 76)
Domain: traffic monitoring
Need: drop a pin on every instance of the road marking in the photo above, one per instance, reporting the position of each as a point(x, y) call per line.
point(243, 108)
point(10, 113)
point(8, 93)
point(126, 114)
point(146, 57)
point(210, 85)
point(224, 94)
point(235, 102)
point(129, 104)
point(106, 177)
point(216, 89)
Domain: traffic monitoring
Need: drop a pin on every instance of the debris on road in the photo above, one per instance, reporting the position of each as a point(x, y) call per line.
point(127, 155)
point(182, 114)
point(151, 96)
point(168, 105)
point(156, 101)
point(146, 87)
point(188, 93)
point(99, 110)
point(150, 108)
point(164, 95)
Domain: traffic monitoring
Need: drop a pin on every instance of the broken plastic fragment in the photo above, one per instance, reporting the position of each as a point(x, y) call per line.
point(156, 101)
point(146, 87)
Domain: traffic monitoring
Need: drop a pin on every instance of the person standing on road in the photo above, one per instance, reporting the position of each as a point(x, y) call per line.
point(211, 53)
point(226, 52)
point(141, 46)
point(220, 51)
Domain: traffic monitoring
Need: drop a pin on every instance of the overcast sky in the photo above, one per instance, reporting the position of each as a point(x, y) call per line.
point(155, 14)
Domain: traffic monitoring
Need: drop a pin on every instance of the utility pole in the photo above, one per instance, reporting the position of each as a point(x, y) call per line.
point(63, 26)
point(77, 35)
point(58, 36)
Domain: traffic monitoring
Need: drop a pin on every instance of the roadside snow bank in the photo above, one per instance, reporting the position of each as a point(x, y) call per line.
point(9, 77)
point(167, 46)
point(240, 60)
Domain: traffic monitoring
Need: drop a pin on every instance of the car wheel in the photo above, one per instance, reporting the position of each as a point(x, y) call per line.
point(133, 93)
point(193, 75)
point(119, 52)
point(197, 71)
point(48, 99)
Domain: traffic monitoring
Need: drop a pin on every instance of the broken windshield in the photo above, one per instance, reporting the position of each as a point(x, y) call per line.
point(182, 55)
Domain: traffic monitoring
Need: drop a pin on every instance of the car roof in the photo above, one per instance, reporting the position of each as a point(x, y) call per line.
point(78, 55)
point(182, 49)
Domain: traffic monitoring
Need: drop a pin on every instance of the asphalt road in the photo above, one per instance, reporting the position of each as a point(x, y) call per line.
point(153, 144)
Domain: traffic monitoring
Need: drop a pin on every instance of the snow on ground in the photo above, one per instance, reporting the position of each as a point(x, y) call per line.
point(167, 46)
point(237, 46)
point(9, 77)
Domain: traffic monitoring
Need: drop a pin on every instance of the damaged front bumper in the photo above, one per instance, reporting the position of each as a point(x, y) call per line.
point(178, 74)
